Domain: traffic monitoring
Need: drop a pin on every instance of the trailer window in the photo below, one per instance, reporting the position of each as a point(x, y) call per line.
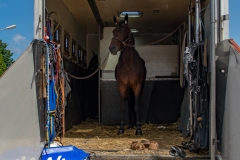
point(79, 55)
point(66, 43)
point(84, 58)
point(57, 32)
point(74, 50)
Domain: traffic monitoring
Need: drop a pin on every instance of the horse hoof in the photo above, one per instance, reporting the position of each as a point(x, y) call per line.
point(120, 131)
point(138, 132)
point(130, 126)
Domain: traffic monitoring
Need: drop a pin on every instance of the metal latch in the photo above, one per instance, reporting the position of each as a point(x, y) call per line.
point(225, 17)
point(215, 141)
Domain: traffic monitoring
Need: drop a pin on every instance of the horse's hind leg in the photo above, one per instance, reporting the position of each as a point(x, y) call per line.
point(137, 92)
point(138, 124)
point(132, 116)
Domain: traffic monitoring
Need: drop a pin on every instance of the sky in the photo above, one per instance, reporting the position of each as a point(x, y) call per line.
point(21, 13)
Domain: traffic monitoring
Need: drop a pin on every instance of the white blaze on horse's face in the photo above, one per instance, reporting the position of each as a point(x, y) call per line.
point(120, 35)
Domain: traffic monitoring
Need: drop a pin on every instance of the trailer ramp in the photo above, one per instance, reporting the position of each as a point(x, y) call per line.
point(20, 136)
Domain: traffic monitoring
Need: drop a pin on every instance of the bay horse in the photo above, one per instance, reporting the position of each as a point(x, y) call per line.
point(93, 65)
point(130, 73)
point(92, 88)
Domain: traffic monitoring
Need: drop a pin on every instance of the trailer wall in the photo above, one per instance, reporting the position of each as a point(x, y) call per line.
point(75, 110)
point(67, 23)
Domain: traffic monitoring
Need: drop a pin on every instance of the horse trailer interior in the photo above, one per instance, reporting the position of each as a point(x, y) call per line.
point(90, 24)
point(167, 30)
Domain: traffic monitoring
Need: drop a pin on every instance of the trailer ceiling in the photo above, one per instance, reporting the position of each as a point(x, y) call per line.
point(171, 14)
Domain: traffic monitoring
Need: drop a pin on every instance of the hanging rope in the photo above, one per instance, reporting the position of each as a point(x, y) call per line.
point(90, 74)
point(129, 45)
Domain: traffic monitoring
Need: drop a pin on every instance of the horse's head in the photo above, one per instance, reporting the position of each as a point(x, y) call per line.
point(93, 65)
point(121, 35)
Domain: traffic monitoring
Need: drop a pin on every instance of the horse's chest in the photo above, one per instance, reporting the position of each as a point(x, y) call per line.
point(126, 70)
point(128, 74)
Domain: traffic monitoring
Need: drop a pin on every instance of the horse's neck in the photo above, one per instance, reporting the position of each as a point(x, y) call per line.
point(131, 40)
point(129, 53)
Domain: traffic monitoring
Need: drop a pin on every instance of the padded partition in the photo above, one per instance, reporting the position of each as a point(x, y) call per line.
point(160, 102)
point(165, 102)
point(76, 104)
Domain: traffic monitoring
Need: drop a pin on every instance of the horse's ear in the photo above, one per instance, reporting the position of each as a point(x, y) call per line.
point(126, 19)
point(115, 20)
point(93, 53)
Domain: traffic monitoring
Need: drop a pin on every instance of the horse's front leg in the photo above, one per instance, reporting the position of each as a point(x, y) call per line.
point(132, 116)
point(138, 124)
point(122, 90)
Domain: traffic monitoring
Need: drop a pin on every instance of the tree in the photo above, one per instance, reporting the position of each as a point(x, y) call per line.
point(5, 57)
point(2, 65)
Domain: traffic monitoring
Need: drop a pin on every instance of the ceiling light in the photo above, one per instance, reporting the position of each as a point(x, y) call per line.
point(134, 30)
point(130, 14)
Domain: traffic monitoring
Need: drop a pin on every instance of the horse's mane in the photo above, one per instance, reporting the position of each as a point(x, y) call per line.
point(132, 42)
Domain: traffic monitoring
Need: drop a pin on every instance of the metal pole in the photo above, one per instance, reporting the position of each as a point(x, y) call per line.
point(190, 74)
point(197, 20)
point(190, 104)
point(200, 23)
point(99, 62)
point(189, 22)
point(213, 85)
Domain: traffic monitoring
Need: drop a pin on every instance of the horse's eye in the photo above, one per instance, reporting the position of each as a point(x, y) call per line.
point(123, 31)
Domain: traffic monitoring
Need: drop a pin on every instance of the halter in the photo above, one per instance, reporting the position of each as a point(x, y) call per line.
point(123, 42)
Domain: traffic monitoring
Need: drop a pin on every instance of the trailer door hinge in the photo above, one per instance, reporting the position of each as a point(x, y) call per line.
point(215, 141)
point(225, 17)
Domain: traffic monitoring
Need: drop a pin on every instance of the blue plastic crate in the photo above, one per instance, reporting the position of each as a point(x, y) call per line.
point(64, 153)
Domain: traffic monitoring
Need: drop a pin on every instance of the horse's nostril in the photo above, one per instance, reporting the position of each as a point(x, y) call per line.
point(112, 47)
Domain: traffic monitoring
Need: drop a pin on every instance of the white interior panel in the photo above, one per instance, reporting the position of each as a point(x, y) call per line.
point(160, 60)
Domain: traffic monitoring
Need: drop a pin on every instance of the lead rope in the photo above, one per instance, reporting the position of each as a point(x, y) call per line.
point(129, 45)
point(90, 74)
point(125, 44)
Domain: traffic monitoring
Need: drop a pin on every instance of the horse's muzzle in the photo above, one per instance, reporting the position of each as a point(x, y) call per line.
point(113, 49)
